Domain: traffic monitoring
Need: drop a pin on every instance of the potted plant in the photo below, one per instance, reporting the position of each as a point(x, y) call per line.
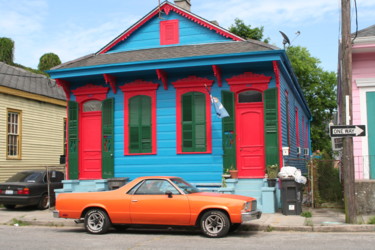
point(272, 171)
point(233, 172)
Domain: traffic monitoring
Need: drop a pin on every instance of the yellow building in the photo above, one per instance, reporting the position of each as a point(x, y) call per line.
point(32, 121)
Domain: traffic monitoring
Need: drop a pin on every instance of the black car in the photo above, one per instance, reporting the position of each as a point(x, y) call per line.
point(31, 188)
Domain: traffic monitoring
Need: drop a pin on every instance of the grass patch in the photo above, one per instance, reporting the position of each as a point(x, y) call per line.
point(309, 222)
point(371, 220)
point(269, 229)
point(306, 214)
point(19, 222)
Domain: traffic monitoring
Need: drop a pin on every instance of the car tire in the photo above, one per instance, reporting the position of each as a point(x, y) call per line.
point(9, 206)
point(43, 202)
point(215, 224)
point(97, 221)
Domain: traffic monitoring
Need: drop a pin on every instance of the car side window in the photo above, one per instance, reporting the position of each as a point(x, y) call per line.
point(156, 187)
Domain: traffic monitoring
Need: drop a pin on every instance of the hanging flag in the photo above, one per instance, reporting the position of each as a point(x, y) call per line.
point(221, 112)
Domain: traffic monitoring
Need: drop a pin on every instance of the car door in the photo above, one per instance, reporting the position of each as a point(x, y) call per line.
point(151, 205)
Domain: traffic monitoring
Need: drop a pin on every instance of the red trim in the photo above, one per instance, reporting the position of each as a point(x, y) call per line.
point(111, 80)
point(162, 75)
point(277, 78)
point(83, 94)
point(167, 7)
point(90, 92)
point(217, 74)
point(169, 32)
point(65, 86)
point(249, 80)
point(193, 84)
point(139, 87)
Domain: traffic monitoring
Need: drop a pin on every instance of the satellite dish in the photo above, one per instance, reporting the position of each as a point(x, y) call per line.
point(286, 39)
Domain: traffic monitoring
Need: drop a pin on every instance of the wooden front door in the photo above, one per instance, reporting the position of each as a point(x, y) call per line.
point(91, 141)
point(250, 135)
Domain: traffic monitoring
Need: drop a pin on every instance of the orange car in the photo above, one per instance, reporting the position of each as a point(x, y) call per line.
point(158, 201)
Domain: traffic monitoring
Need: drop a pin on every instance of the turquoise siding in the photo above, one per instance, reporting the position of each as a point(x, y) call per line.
point(147, 36)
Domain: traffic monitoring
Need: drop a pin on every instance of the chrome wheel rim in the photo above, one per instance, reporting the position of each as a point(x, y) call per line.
point(95, 222)
point(214, 224)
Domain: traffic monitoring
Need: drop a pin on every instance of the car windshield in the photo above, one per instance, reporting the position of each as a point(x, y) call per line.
point(25, 177)
point(183, 185)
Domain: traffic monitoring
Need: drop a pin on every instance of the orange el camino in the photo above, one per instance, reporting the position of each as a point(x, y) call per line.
point(157, 201)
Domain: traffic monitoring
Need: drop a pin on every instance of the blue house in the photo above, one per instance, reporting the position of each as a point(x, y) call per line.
point(141, 106)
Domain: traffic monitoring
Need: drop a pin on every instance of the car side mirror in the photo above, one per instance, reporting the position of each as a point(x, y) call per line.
point(169, 193)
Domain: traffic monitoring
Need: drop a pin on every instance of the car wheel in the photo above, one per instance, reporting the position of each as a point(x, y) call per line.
point(9, 206)
point(43, 202)
point(215, 224)
point(97, 221)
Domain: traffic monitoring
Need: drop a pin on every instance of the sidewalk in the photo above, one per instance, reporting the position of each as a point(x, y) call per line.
point(322, 220)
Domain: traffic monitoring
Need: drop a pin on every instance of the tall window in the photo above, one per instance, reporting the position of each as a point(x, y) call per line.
point(13, 134)
point(140, 136)
point(139, 117)
point(193, 122)
point(297, 127)
point(193, 115)
point(287, 117)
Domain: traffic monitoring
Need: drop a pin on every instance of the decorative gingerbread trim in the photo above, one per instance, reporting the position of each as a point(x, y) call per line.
point(65, 85)
point(192, 81)
point(138, 85)
point(162, 75)
point(217, 74)
point(249, 80)
point(111, 80)
point(167, 8)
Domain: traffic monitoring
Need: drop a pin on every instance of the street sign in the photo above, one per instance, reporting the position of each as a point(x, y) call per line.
point(347, 130)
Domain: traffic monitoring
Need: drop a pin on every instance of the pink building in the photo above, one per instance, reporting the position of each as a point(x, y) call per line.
point(363, 56)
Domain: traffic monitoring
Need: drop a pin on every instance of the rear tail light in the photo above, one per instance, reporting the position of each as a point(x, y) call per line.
point(23, 191)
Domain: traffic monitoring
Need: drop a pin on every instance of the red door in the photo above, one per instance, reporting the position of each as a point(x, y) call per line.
point(90, 145)
point(250, 140)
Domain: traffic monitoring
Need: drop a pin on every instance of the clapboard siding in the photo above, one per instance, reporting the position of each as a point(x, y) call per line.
point(148, 35)
point(41, 134)
point(166, 161)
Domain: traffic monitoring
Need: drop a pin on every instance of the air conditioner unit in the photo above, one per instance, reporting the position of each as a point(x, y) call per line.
point(299, 150)
point(337, 143)
point(306, 151)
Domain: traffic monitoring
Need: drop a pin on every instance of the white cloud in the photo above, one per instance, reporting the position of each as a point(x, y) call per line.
point(21, 16)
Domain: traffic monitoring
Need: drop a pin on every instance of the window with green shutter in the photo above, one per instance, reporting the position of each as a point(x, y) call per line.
point(271, 126)
point(193, 122)
point(140, 136)
point(108, 138)
point(73, 139)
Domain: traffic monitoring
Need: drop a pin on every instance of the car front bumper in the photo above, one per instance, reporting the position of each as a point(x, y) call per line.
point(249, 216)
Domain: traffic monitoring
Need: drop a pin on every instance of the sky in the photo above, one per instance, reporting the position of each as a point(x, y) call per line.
point(74, 28)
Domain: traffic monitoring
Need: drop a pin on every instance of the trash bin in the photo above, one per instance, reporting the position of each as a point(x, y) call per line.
point(291, 196)
point(115, 183)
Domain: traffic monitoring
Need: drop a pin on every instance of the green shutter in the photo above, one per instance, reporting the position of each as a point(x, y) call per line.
point(108, 138)
point(140, 135)
point(271, 126)
point(228, 131)
point(194, 122)
point(73, 139)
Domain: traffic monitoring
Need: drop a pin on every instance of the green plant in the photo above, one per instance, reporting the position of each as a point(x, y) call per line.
point(272, 171)
point(19, 222)
point(371, 220)
point(269, 229)
point(306, 214)
point(309, 222)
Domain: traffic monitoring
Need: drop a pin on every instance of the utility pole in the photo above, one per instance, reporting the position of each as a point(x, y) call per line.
point(346, 113)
